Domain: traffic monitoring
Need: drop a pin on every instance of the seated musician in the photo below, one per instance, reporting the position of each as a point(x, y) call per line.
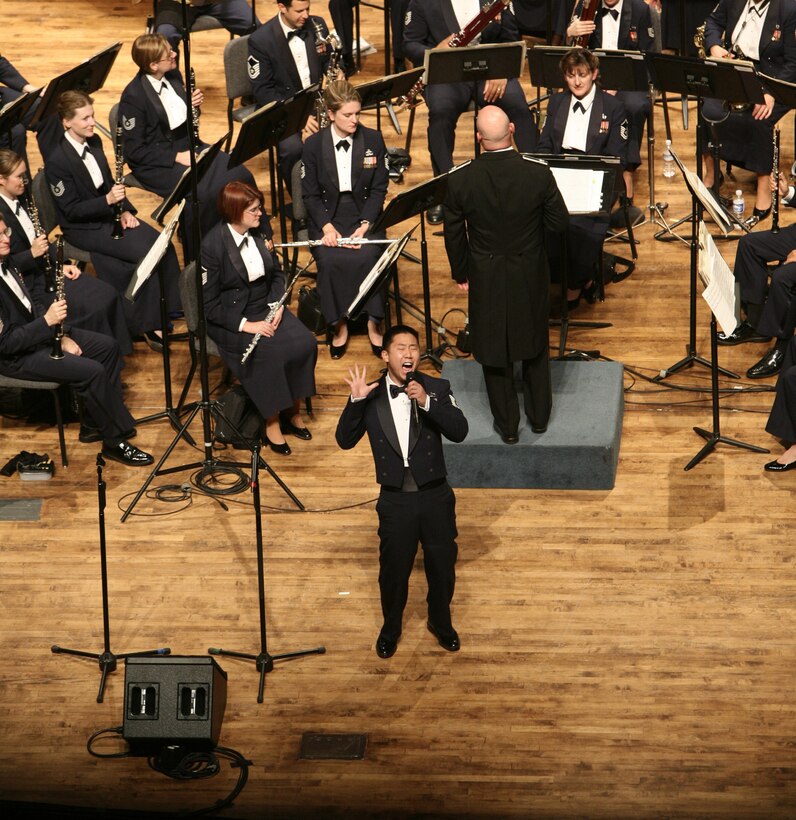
point(625, 25)
point(764, 33)
point(344, 182)
point(770, 307)
point(243, 278)
point(154, 115)
point(85, 196)
point(234, 15)
point(13, 85)
point(91, 363)
point(93, 304)
point(431, 24)
point(532, 18)
point(782, 420)
point(398, 9)
point(672, 29)
point(583, 120)
point(284, 58)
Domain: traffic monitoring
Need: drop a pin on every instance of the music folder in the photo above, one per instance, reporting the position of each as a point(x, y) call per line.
point(146, 267)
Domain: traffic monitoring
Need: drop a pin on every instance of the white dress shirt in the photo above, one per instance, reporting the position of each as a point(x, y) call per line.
point(176, 109)
point(22, 217)
point(298, 48)
point(610, 26)
point(252, 260)
point(88, 159)
point(401, 409)
point(746, 35)
point(577, 130)
point(343, 159)
point(13, 283)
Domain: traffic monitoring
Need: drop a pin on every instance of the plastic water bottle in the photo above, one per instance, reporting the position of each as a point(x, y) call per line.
point(668, 161)
point(738, 205)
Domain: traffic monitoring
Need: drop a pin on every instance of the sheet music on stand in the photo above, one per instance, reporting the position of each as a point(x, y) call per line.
point(582, 188)
point(706, 196)
point(146, 267)
point(718, 280)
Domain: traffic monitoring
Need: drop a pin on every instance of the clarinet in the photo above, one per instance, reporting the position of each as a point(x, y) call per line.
point(118, 231)
point(587, 14)
point(463, 38)
point(775, 194)
point(37, 229)
point(194, 110)
point(58, 331)
point(270, 317)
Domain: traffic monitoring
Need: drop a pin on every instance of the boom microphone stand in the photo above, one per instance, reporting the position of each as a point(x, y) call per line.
point(107, 659)
point(263, 660)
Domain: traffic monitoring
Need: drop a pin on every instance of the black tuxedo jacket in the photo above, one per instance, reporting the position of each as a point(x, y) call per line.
point(429, 22)
point(147, 137)
point(21, 256)
point(10, 76)
point(272, 69)
point(372, 415)
point(226, 283)
point(21, 330)
point(320, 185)
point(777, 39)
point(635, 27)
point(79, 203)
point(607, 132)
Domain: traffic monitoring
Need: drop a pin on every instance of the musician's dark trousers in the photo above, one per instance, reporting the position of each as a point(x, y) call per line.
point(755, 251)
point(637, 107)
point(447, 102)
point(234, 15)
point(536, 388)
point(782, 421)
point(428, 516)
point(289, 154)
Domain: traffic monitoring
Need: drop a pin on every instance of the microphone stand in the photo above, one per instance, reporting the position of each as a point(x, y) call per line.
point(107, 659)
point(264, 662)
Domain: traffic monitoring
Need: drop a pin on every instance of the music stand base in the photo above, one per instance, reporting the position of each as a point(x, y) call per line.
point(712, 440)
point(264, 662)
point(690, 360)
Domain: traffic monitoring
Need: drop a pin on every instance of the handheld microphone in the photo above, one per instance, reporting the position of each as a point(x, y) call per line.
point(411, 376)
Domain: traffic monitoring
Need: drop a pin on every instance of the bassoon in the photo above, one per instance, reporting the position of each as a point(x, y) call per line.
point(587, 14)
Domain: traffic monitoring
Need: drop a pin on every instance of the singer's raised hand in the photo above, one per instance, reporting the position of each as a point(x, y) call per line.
point(359, 386)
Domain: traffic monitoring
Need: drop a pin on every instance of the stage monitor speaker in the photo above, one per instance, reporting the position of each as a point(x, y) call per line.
point(173, 701)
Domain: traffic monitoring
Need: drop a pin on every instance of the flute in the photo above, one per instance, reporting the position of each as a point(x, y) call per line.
point(775, 194)
point(270, 316)
point(342, 241)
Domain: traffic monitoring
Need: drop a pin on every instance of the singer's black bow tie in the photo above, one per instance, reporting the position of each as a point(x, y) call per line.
point(579, 107)
point(297, 32)
point(613, 12)
point(342, 144)
point(396, 391)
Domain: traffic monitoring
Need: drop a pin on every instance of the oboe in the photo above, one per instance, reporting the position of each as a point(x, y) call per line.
point(270, 316)
point(37, 229)
point(775, 194)
point(58, 330)
point(194, 110)
point(118, 231)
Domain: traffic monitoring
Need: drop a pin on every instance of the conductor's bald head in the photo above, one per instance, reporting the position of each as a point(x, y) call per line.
point(494, 129)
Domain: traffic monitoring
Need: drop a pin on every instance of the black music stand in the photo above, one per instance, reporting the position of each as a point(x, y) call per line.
point(264, 662)
point(406, 205)
point(700, 198)
point(690, 76)
point(14, 113)
point(265, 128)
point(610, 169)
point(107, 659)
point(382, 92)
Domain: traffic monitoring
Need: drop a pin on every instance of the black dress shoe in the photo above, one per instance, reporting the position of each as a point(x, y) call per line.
point(376, 350)
point(154, 341)
point(508, 438)
point(447, 640)
point(769, 365)
point(385, 648)
point(777, 467)
point(127, 453)
point(88, 434)
point(286, 426)
point(743, 333)
point(757, 216)
point(538, 430)
point(435, 215)
point(337, 351)
point(281, 449)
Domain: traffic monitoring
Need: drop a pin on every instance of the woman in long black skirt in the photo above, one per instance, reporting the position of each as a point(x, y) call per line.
point(242, 278)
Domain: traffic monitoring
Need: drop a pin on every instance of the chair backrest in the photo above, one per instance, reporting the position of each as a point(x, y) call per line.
point(113, 122)
point(299, 209)
point(189, 296)
point(236, 68)
point(44, 202)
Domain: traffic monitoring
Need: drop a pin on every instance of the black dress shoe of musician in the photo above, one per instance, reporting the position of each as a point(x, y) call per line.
point(757, 216)
point(589, 293)
point(769, 365)
point(89, 434)
point(376, 350)
point(154, 341)
point(448, 639)
point(435, 215)
point(538, 430)
point(508, 438)
point(385, 648)
point(282, 449)
point(338, 351)
point(286, 426)
point(127, 453)
point(778, 467)
point(743, 333)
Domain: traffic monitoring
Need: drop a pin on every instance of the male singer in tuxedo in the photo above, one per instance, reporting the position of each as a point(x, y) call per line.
point(404, 414)
point(432, 24)
point(91, 362)
point(284, 59)
point(496, 211)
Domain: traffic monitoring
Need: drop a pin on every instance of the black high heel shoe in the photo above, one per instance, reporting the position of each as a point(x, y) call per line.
point(282, 449)
point(757, 216)
point(590, 293)
point(335, 351)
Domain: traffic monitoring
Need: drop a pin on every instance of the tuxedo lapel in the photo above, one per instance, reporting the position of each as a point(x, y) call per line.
point(79, 170)
point(329, 161)
point(28, 314)
point(233, 254)
point(286, 55)
point(357, 157)
point(770, 26)
point(385, 415)
point(157, 106)
point(449, 15)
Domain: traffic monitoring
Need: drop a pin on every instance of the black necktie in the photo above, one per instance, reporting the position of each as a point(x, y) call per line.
point(342, 144)
point(396, 391)
point(613, 12)
point(16, 210)
point(297, 32)
point(579, 107)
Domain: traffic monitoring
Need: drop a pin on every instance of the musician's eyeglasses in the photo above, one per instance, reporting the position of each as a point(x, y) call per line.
point(254, 211)
point(6, 232)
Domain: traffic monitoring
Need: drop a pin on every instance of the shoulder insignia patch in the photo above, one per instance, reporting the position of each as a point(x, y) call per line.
point(623, 129)
point(453, 401)
point(253, 67)
point(128, 123)
point(58, 189)
point(408, 18)
point(204, 275)
point(303, 170)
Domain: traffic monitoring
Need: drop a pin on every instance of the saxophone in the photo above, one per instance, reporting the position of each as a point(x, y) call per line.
point(118, 231)
point(37, 229)
point(332, 70)
point(60, 293)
